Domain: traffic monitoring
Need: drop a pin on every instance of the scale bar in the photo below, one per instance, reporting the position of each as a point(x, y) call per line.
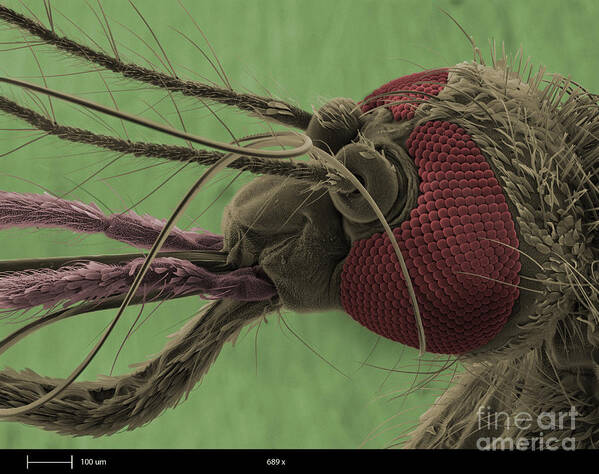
point(49, 462)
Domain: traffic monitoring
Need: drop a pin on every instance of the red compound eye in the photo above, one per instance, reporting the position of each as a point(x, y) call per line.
point(428, 82)
point(464, 279)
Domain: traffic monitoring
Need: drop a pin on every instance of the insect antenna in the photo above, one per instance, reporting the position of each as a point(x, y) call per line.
point(65, 313)
point(266, 108)
point(256, 164)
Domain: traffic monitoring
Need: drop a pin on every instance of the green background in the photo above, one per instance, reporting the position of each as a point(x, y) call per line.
point(269, 390)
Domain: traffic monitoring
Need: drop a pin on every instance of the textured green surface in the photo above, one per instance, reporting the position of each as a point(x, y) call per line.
point(269, 390)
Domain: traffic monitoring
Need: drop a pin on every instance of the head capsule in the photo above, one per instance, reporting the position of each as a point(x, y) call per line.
point(444, 155)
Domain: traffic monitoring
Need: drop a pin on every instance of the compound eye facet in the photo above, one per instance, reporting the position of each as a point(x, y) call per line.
point(376, 174)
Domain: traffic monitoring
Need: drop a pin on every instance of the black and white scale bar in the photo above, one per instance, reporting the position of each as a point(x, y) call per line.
point(28, 461)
